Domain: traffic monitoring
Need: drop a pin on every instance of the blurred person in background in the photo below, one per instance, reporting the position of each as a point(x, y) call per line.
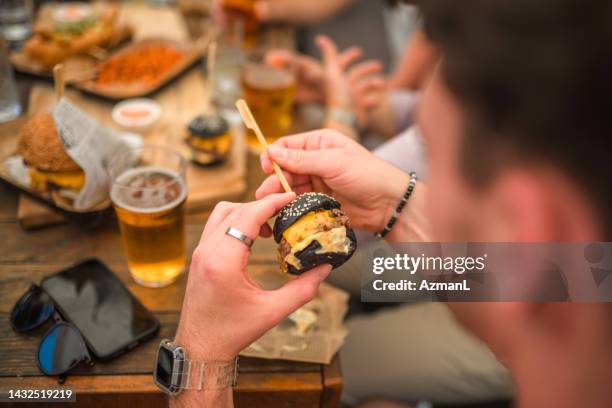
point(410, 352)
point(358, 99)
point(518, 152)
point(389, 24)
point(385, 31)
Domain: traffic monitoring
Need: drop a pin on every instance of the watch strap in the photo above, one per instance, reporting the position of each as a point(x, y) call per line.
point(208, 375)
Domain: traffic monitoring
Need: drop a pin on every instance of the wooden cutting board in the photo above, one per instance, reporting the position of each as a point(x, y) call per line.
point(191, 53)
point(181, 100)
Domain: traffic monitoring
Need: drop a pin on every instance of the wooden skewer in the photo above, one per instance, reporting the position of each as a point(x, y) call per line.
point(204, 40)
point(58, 79)
point(210, 63)
point(249, 122)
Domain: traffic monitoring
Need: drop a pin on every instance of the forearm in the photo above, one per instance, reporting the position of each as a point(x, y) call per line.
point(202, 349)
point(416, 63)
point(203, 399)
point(381, 120)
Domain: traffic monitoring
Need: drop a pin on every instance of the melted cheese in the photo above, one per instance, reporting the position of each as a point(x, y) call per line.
point(40, 180)
point(306, 226)
point(334, 240)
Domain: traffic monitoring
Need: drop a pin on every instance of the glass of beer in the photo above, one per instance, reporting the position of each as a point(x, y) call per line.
point(269, 92)
point(240, 15)
point(148, 191)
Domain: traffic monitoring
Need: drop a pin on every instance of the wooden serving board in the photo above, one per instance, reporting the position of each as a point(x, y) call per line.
point(117, 91)
point(32, 214)
point(8, 149)
point(180, 102)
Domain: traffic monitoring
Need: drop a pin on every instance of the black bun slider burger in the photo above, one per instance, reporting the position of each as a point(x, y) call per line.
point(210, 139)
point(313, 230)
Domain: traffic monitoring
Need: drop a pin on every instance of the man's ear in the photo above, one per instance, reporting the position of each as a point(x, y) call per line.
point(541, 204)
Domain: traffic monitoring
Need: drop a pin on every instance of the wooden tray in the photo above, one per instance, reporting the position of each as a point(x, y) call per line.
point(180, 103)
point(192, 53)
point(8, 148)
point(22, 62)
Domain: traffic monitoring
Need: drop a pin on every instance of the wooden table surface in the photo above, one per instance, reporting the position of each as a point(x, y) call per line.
point(26, 257)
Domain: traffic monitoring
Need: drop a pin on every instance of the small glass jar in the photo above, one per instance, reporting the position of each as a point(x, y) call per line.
point(210, 139)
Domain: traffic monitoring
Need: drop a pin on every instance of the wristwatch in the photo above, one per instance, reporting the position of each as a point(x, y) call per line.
point(174, 372)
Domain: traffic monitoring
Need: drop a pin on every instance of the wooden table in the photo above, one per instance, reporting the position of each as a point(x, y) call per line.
point(26, 257)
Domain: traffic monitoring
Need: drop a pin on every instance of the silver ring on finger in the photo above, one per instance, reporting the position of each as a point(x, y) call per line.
point(240, 236)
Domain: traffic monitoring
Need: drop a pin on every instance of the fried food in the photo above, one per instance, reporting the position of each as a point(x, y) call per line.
point(40, 145)
point(44, 154)
point(142, 65)
point(54, 42)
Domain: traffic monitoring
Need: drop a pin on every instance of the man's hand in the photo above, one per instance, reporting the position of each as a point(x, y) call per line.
point(326, 161)
point(308, 73)
point(224, 309)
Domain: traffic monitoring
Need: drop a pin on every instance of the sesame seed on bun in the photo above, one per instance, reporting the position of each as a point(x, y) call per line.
point(299, 207)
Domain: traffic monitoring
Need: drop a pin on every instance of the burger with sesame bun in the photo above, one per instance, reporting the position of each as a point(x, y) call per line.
point(313, 230)
point(51, 169)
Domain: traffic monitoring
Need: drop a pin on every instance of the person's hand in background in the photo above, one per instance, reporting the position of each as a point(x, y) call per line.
point(326, 161)
point(356, 88)
point(338, 82)
point(308, 73)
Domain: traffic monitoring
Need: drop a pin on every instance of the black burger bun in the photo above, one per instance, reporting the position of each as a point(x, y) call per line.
point(309, 258)
point(299, 207)
point(311, 255)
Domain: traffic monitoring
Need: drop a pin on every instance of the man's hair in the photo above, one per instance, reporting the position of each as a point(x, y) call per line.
point(534, 77)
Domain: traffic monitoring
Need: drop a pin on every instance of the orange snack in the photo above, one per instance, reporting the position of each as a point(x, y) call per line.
point(144, 65)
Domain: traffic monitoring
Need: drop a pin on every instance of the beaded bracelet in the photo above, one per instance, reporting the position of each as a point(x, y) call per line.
point(400, 206)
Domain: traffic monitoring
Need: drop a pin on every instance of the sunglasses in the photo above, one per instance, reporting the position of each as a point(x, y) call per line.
point(62, 348)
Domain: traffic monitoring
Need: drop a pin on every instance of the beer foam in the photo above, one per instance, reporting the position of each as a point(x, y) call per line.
point(139, 190)
point(263, 77)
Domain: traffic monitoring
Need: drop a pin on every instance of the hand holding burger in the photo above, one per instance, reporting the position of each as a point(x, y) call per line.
point(224, 309)
point(221, 298)
point(326, 161)
point(368, 187)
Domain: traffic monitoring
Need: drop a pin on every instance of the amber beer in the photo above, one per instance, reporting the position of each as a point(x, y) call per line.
point(269, 92)
point(241, 13)
point(149, 203)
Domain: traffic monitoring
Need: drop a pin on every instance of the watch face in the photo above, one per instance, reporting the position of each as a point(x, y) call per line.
point(164, 369)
